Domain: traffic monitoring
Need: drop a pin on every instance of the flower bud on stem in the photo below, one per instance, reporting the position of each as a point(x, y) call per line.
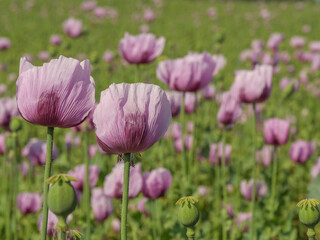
point(309, 215)
point(188, 214)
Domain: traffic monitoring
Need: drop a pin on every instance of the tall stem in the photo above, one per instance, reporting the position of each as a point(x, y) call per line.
point(124, 211)
point(86, 183)
point(62, 228)
point(253, 197)
point(47, 172)
point(224, 186)
point(183, 151)
point(14, 186)
point(218, 192)
point(8, 198)
point(274, 179)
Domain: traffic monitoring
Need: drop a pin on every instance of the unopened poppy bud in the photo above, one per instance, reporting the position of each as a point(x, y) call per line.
point(15, 125)
point(62, 198)
point(309, 213)
point(188, 211)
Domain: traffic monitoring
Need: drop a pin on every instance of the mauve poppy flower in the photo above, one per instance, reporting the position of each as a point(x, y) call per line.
point(79, 173)
point(68, 139)
point(148, 15)
point(114, 181)
point(175, 100)
point(285, 57)
point(190, 127)
point(315, 171)
point(29, 202)
point(142, 207)
point(36, 151)
point(265, 156)
point(257, 45)
point(191, 73)
point(101, 205)
point(178, 145)
point(303, 76)
point(55, 40)
point(274, 40)
point(100, 12)
point(253, 86)
point(314, 46)
point(3, 88)
point(8, 110)
point(208, 92)
point(130, 118)
point(61, 93)
point(88, 5)
point(230, 109)
point(284, 82)
point(203, 191)
point(297, 42)
point(315, 63)
point(176, 130)
point(92, 150)
point(300, 151)
point(88, 122)
point(5, 43)
point(215, 153)
point(190, 99)
point(107, 56)
point(249, 55)
point(188, 141)
point(212, 12)
point(2, 144)
point(243, 219)
point(156, 183)
point(116, 225)
point(44, 56)
point(144, 28)
point(24, 169)
point(246, 189)
point(52, 224)
point(72, 27)
point(276, 131)
point(220, 62)
point(306, 28)
point(142, 48)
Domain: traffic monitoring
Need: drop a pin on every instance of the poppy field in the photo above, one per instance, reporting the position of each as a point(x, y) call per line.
point(158, 120)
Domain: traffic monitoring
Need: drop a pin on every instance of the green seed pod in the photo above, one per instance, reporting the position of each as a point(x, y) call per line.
point(62, 198)
point(15, 125)
point(188, 212)
point(309, 213)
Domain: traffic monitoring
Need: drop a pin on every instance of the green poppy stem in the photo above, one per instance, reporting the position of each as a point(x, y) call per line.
point(124, 210)
point(274, 179)
point(224, 186)
point(47, 173)
point(254, 174)
point(184, 159)
point(14, 186)
point(86, 183)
